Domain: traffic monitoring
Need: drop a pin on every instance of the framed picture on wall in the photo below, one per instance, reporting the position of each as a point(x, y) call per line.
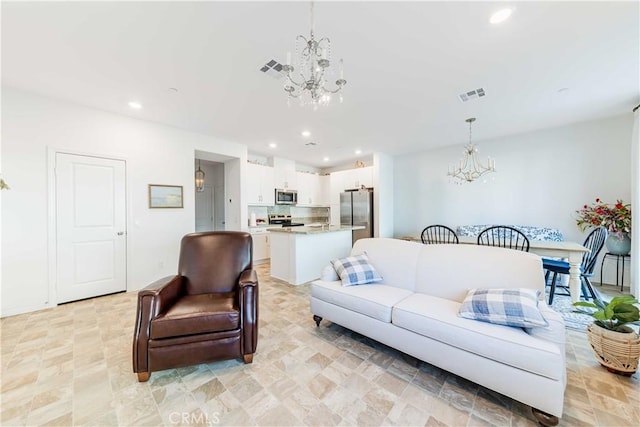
point(165, 196)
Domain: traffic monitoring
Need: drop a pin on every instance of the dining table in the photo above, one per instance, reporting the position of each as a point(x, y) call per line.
point(572, 251)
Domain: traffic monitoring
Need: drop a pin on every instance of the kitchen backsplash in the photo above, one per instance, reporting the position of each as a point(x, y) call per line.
point(298, 214)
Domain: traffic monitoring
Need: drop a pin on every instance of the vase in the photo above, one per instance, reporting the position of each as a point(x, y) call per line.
point(617, 351)
point(618, 243)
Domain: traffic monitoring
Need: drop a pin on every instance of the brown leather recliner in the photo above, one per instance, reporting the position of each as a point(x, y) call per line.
point(208, 311)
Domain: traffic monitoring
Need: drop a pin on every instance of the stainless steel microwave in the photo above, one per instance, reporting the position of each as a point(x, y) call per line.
point(286, 197)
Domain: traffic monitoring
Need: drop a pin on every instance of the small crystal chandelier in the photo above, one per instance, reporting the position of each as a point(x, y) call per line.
point(314, 62)
point(199, 178)
point(470, 167)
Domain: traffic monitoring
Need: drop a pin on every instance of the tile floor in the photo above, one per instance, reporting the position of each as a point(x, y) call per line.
point(71, 365)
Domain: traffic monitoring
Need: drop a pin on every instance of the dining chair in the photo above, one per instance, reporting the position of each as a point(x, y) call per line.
point(438, 234)
point(594, 242)
point(505, 237)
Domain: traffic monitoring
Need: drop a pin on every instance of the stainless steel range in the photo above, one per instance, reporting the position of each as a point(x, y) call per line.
point(284, 220)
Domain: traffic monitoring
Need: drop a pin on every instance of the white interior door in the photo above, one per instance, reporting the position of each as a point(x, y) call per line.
point(90, 227)
point(204, 209)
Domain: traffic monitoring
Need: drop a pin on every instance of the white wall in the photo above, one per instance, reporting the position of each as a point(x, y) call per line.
point(383, 195)
point(542, 179)
point(32, 126)
point(635, 207)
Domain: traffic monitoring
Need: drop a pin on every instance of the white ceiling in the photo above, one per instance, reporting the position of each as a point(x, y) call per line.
point(405, 64)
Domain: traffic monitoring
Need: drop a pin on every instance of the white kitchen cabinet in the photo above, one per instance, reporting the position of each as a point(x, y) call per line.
point(364, 176)
point(336, 186)
point(261, 245)
point(300, 257)
point(285, 174)
point(260, 186)
point(325, 190)
point(347, 180)
point(303, 185)
point(356, 178)
point(309, 193)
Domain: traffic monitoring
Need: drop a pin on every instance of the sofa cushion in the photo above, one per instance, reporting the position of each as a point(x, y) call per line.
point(395, 260)
point(372, 300)
point(356, 270)
point(509, 307)
point(449, 271)
point(437, 318)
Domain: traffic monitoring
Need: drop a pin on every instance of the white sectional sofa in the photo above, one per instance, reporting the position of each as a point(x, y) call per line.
point(415, 309)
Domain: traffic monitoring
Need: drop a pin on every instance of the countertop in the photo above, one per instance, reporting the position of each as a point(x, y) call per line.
point(315, 230)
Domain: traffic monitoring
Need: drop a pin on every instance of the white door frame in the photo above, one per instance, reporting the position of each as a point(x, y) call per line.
point(213, 213)
point(52, 257)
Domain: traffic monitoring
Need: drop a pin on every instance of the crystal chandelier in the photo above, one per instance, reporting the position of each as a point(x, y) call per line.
point(314, 60)
point(469, 168)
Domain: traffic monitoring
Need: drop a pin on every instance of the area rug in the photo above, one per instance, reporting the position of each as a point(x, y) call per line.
point(572, 320)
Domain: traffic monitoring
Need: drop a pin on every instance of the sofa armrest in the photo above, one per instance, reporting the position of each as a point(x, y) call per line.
point(152, 300)
point(329, 274)
point(555, 332)
point(248, 305)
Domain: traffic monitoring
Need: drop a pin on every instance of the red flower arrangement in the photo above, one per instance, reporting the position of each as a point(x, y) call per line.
point(615, 218)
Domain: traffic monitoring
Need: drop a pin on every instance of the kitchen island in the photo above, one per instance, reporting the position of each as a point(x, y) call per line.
point(298, 254)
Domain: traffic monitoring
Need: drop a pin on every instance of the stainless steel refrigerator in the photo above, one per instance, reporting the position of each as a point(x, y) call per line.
point(356, 208)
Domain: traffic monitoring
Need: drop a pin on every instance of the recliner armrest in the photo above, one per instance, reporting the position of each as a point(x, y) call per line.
point(248, 278)
point(248, 304)
point(163, 292)
point(152, 300)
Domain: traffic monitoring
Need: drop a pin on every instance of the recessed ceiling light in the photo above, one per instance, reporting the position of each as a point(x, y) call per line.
point(306, 133)
point(500, 16)
point(325, 159)
point(135, 105)
point(272, 145)
point(358, 151)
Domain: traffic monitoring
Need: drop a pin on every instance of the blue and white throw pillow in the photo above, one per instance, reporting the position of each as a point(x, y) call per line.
point(509, 307)
point(355, 270)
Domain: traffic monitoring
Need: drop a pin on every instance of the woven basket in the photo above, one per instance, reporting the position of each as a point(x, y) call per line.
point(617, 351)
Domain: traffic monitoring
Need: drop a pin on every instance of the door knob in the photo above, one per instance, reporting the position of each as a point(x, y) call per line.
point(120, 233)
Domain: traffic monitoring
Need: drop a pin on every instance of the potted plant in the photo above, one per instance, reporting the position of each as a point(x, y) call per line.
point(615, 218)
point(614, 343)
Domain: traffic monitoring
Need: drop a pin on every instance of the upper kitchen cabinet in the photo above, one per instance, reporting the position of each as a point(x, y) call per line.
point(260, 185)
point(360, 177)
point(311, 191)
point(306, 184)
point(285, 174)
point(325, 190)
point(350, 179)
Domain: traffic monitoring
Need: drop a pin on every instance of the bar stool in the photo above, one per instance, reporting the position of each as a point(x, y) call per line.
point(618, 259)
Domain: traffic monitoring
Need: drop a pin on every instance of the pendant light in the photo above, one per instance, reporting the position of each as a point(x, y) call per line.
point(469, 168)
point(199, 178)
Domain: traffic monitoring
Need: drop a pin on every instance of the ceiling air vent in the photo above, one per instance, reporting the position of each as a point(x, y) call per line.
point(472, 94)
point(272, 68)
